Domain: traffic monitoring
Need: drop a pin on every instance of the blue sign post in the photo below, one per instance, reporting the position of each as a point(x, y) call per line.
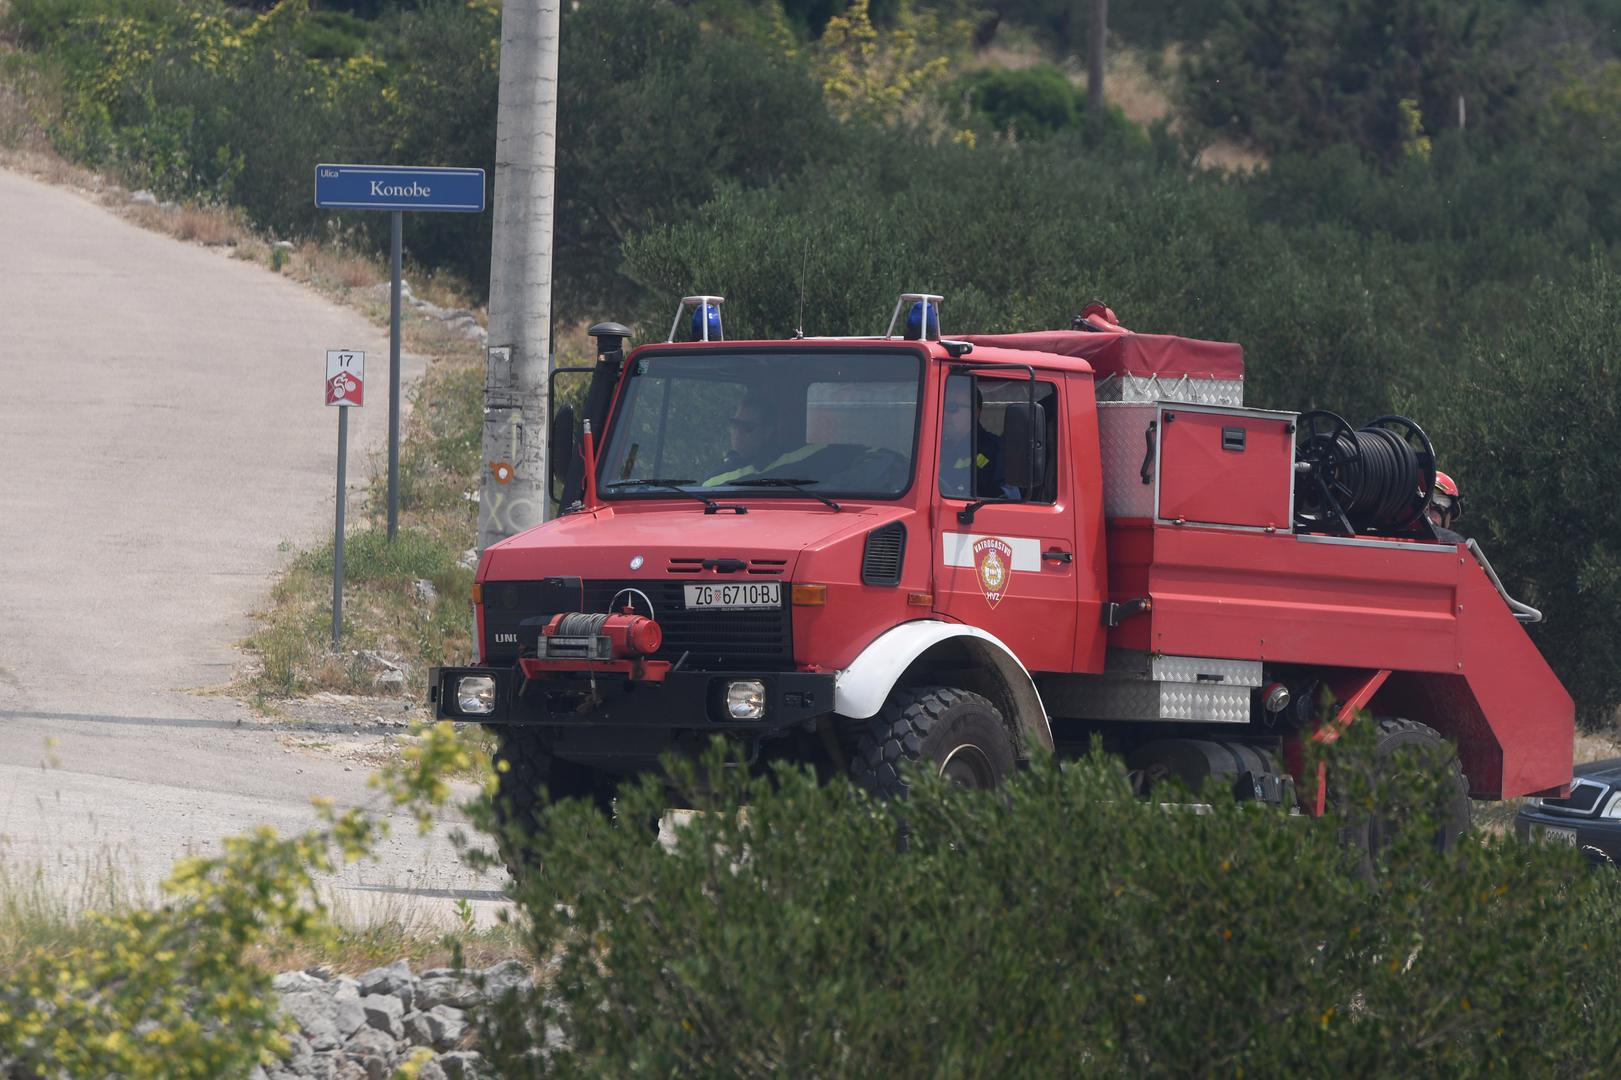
point(397, 188)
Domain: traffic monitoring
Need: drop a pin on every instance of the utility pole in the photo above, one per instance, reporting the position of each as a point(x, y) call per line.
point(1094, 57)
point(518, 360)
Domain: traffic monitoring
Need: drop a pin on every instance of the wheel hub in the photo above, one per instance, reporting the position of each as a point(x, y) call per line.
point(970, 767)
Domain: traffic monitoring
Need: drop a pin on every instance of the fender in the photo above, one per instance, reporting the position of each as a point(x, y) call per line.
point(862, 688)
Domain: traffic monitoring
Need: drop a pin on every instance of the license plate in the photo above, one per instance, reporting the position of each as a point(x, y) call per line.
point(1553, 834)
point(734, 596)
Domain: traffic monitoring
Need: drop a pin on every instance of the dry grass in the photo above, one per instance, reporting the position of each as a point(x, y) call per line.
point(208, 226)
point(1128, 83)
point(382, 943)
point(36, 916)
point(335, 267)
point(1598, 745)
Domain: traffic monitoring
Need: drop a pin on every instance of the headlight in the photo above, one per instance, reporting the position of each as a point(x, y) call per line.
point(475, 695)
point(1612, 809)
point(745, 699)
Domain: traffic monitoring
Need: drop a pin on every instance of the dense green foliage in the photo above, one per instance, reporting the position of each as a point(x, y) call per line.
point(1064, 928)
point(1293, 76)
point(1534, 429)
point(1331, 314)
point(654, 114)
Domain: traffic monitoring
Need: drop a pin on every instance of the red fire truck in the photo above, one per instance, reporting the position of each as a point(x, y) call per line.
point(859, 551)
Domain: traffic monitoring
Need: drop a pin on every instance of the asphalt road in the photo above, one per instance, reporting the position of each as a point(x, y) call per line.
point(162, 434)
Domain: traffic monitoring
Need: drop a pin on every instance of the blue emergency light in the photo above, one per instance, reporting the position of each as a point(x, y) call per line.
point(914, 321)
point(707, 313)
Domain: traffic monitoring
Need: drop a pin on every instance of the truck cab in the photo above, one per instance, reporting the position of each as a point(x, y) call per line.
point(962, 551)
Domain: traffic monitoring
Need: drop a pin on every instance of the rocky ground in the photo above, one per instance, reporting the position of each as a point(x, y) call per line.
point(365, 1028)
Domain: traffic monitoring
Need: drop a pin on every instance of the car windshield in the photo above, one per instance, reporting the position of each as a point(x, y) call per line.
point(832, 422)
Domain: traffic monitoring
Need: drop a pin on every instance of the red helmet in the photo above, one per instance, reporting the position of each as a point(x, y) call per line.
point(1446, 496)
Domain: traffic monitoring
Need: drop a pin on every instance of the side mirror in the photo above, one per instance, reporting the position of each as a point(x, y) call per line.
point(1024, 445)
point(561, 449)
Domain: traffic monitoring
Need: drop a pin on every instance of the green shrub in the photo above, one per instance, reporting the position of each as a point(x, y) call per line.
point(1058, 928)
point(1028, 102)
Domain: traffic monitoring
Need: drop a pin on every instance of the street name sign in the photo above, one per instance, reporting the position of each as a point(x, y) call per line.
point(345, 378)
point(399, 187)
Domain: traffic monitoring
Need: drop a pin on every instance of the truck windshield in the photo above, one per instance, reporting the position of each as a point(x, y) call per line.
point(835, 422)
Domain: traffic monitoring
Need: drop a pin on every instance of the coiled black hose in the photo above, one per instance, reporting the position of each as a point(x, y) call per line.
point(1390, 477)
point(1377, 479)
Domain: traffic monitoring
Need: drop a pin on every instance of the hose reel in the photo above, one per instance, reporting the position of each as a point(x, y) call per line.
point(1374, 480)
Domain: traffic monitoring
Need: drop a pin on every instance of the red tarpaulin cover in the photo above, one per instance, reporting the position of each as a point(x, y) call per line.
point(1137, 354)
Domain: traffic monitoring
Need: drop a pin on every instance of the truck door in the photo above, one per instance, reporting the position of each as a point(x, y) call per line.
point(1011, 569)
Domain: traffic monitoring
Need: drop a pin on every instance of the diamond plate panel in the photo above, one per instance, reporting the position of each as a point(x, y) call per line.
point(1129, 387)
point(1116, 699)
point(1121, 428)
point(1135, 664)
point(1203, 702)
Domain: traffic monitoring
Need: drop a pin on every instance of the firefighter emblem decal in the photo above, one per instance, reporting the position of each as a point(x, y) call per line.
point(993, 561)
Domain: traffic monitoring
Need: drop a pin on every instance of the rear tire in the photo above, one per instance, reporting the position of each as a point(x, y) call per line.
point(1393, 754)
point(959, 732)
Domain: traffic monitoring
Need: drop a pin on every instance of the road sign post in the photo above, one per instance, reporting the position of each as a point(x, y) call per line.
point(397, 188)
point(345, 390)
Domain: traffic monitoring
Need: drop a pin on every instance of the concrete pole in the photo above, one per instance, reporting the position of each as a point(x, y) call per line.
point(1094, 56)
point(517, 363)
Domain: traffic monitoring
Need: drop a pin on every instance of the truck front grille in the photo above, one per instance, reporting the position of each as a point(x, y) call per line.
point(514, 611)
point(714, 640)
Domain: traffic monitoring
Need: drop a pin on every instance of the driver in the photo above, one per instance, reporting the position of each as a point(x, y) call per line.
point(956, 475)
point(757, 429)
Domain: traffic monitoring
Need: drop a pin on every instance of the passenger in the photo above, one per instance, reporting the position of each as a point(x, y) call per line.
point(1446, 507)
point(957, 443)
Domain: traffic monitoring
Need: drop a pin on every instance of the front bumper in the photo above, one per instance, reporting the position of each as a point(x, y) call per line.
point(1597, 838)
point(682, 700)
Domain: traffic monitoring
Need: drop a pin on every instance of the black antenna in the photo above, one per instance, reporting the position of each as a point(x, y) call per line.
point(804, 272)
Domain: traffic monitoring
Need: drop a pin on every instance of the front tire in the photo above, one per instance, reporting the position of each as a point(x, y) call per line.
point(532, 780)
point(957, 732)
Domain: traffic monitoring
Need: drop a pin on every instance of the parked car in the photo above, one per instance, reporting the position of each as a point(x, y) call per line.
point(1589, 819)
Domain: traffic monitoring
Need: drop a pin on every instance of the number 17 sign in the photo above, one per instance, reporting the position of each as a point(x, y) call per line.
point(345, 377)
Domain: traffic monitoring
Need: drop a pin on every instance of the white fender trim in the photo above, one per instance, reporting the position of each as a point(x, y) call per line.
point(862, 688)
